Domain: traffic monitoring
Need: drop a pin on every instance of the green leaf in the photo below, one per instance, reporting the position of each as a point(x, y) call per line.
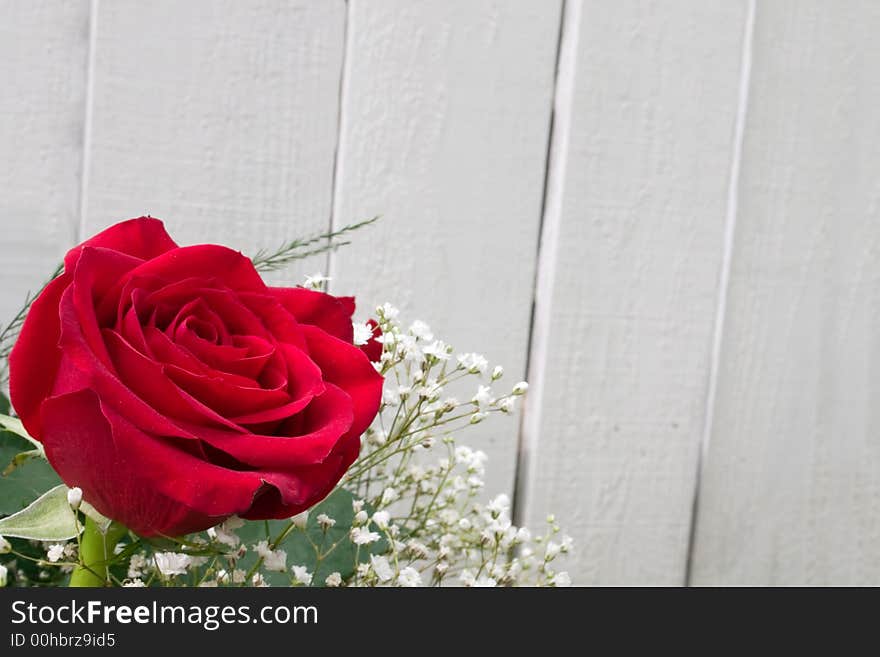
point(19, 459)
point(48, 518)
point(4, 404)
point(300, 551)
point(14, 425)
point(30, 479)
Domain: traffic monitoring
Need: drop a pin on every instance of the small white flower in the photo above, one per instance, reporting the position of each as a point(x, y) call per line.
point(520, 388)
point(325, 521)
point(500, 505)
point(567, 544)
point(552, 550)
point(387, 311)
point(74, 497)
point(273, 560)
point(421, 330)
point(223, 576)
point(136, 565)
point(208, 584)
point(5, 546)
point(523, 535)
point(561, 579)
point(437, 349)
point(381, 567)
point(381, 518)
point(360, 517)
point(133, 583)
point(238, 576)
point(483, 398)
point(3, 574)
point(55, 552)
point(171, 563)
point(467, 578)
point(362, 333)
point(276, 561)
point(302, 575)
point(258, 580)
point(476, 418)
point(497, 373)
point(474, 461)
point(507, 405)
point(388, 496)
point(417, 549)
point(225, 532)
point(357, 505)
point(363, 536)
point(473, 363)
point(315, 281)
point(409, 577)
point(300, 520)
point(333, 579)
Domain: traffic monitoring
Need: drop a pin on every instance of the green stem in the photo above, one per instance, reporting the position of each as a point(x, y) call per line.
point(95, 551)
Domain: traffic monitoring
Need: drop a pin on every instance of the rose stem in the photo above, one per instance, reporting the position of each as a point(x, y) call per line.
point(95, 551)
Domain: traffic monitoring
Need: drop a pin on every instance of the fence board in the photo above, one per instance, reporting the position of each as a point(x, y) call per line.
point(792, 480)
point(632, 251)
point(218, 116)
point(445, 126)
point(43, 54)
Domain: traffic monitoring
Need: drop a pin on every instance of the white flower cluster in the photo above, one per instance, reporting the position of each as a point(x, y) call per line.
point(428, 510)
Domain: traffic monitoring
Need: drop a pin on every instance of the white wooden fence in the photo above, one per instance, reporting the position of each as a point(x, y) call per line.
point(688, 190)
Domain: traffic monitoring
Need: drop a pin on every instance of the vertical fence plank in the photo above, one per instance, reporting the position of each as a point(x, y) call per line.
point(631, 255)
point(445, 124)
point(791, 488)
point(218, 116)
point(43, 55)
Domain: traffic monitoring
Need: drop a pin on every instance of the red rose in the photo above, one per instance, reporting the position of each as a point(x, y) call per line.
point(176, 389)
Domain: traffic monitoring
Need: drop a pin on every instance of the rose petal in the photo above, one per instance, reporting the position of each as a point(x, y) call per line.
point(280, 323)
point(326, 419)
point(142, 238)
point(300, 489)
point(147, 379)
point(140, 480)
point(37, 343)
point(230, 267)
point(346, 366)
point(333, 314)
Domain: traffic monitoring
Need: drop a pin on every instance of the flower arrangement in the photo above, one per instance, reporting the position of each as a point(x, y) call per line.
point(181, 423)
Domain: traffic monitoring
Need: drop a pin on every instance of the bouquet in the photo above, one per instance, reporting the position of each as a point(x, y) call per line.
point(178, 422)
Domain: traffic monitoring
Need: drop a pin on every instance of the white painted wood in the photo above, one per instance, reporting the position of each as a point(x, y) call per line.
point(446, 111)
point(219, 117)
point(43, 54)
point(791, 487)
point(631, 255)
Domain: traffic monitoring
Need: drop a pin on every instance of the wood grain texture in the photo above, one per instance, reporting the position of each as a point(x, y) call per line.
point(445, 128)
point(219, 117)
point(618, 416)
point(791, 488)
point(43, 55)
